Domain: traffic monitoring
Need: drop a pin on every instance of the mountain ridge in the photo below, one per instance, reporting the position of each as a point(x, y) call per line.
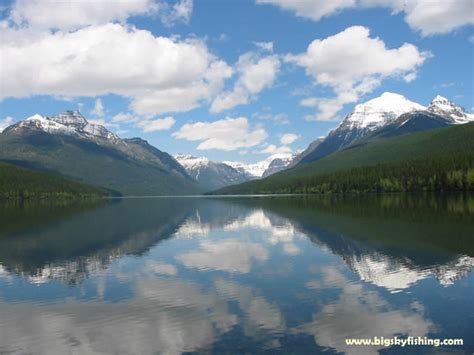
point(67, 144)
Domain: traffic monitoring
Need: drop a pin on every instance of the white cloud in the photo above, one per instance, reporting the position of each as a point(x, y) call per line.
point(123, 117)
point(7, 121)
point(255, 74)
point(226, 134)
point(145, 123)
point(313, 9)
point(273, 149)
point(74, 14)
point(352, 64)
point(98, 110)
point(288, 138)
point(160, 124)
point(158, 74)
point(428, 17)
point(266, 46)
point(438, 16)
point(180, 11)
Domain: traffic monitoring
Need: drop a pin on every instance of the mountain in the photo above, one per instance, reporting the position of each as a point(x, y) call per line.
point(440, 113)
point(362, 121)
point(20, 183)
point(252, 171)
point(278, 164)
point(209, 174)
point(67, 144)
point(443, 107)
point(312, 146)
point(434, 160)
point(410, 122)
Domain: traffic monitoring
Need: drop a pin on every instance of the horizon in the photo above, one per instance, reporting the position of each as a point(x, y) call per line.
point(249, 87)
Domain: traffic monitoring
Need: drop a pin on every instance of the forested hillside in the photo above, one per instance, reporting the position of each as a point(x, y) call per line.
point(20, 183)
point(435, 160)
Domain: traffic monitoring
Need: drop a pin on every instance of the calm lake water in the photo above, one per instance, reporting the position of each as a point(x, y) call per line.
point(236, 275)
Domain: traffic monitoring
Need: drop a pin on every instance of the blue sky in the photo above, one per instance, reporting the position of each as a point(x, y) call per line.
point(231, 80)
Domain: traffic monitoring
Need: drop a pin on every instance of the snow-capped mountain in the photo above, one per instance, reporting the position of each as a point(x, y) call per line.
point(253, 171)
point(389, 112)
point(279, 163)
point(443, 107)
point(70, 123)
point(377, 112)
point(69, 145)
point(209, 174)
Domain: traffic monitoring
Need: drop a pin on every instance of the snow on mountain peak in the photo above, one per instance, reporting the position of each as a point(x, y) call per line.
point(70, 118)
point(442, 106)
point(191, 162)
point(69, 123)
point(255, 170)
point(34, 117)
point(380, 110)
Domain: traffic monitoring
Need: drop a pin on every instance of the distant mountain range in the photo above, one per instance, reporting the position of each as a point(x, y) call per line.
point(70, 146)
point(212, 175)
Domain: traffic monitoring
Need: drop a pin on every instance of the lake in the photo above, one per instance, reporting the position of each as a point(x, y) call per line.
point(237, 275)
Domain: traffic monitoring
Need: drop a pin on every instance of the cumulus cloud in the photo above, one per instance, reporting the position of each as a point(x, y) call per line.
point(352, 64)
point(288, 138)
point(158, 74)
point(255, 74)
point(227, 134)
point(160, 124)
point(438, 16)
point(7, 121)
point(428, 17)
point(74, 14)
point(313, 9)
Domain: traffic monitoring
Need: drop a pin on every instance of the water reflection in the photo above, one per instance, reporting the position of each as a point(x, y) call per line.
point(235, 275)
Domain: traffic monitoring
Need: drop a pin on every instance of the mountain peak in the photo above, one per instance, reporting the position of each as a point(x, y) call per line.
point(380, 110)
point(440, 98)
point(35, 117)
point(442, 106)
point(70, 118)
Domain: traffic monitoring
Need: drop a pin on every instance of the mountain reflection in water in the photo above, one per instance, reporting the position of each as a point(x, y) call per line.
point(272, 274)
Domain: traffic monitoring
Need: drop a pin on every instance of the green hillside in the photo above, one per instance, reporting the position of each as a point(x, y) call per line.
point(19, 183)
point(435, 160)
point(94, 164)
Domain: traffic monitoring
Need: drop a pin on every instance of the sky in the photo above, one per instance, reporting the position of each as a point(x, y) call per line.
point(234, 80)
